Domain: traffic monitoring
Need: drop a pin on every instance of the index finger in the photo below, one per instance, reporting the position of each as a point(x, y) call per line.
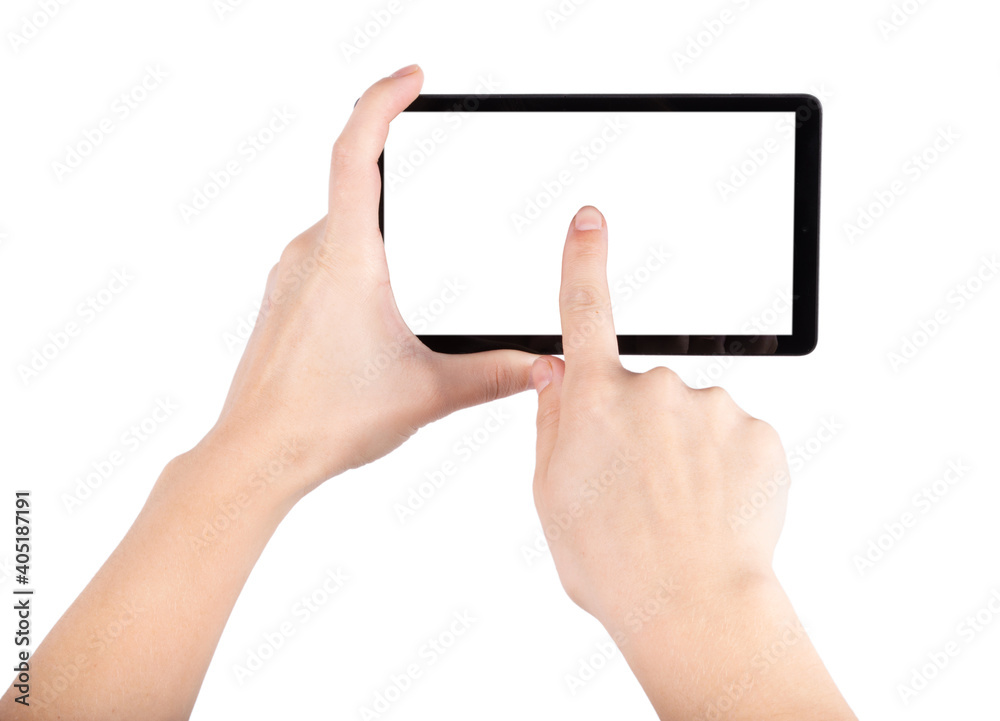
point(589, 338)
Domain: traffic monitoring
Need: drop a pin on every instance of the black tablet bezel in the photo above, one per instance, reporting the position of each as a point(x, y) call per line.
point(805, 276)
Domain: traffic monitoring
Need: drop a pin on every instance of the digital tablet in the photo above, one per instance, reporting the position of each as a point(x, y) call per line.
point(712, 205)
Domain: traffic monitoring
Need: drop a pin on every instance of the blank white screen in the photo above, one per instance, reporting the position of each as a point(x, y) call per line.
point(699, 207)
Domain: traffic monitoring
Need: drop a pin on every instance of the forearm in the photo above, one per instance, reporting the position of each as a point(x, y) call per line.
point(139, 638)
point(741, 654)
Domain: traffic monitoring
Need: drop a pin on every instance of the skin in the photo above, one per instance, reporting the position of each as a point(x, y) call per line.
point(639, 484)
point(332, 379)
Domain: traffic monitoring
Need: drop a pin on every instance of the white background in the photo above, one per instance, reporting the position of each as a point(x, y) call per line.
point(886, 99)
point(484, 199)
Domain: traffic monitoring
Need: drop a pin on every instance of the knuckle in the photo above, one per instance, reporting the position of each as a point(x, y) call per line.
point(593, 403)
point(584, 298)
point(763, 435)
point(500, 381)
point(269, 301)
point(665, 378)
point(342, 154)
point(294, 251)
point(547, 415)
point(587, 409)
point(717, 396)
point(663, 383)
point(573, 591)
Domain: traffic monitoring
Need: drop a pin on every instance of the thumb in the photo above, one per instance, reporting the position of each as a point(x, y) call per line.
point(474, 378)
point(547, 376)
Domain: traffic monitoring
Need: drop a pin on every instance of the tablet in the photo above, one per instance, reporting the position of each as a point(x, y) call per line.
point(712, 205)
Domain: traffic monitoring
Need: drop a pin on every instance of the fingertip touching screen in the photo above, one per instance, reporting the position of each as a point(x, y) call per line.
point(712, 206)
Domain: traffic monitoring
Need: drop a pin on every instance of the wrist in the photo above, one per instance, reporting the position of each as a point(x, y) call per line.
point(241, 475)
point(666, 603)
point(762, 663)
point(741, 628)
point(292, 462)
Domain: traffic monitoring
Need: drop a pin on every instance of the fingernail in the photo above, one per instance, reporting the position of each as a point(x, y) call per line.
point(541, 375)
point(589, 218)
point(408, 70)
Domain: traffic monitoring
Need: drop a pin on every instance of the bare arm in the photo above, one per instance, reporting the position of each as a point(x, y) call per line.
point(138, 640)
point(302, 408)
